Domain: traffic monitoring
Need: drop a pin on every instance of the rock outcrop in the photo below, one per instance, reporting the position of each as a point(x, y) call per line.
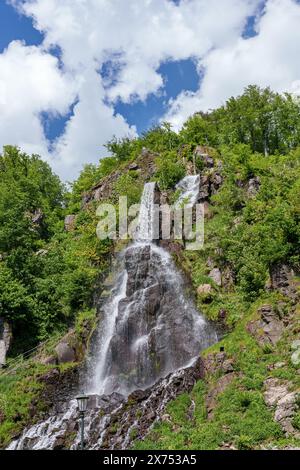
point(104, 190)
point(70, 222)
point(216, 275)
point(281, 279)
point(268, 328)
point(284, 403)
point(5, 340)
point(111, 421)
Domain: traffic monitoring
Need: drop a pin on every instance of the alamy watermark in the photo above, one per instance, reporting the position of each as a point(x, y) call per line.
point(158, 222)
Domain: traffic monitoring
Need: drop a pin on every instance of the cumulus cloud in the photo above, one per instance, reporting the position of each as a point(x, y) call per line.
point(270, 58)
point(30, 82)
point(134, 38)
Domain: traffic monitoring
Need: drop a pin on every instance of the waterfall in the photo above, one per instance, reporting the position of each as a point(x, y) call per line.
point(189, 190)
point(150, 327)
point(145, 228)
point(148, 339)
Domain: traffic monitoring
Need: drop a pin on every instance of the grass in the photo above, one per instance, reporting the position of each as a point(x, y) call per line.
point(240, 418)
point(17, 393)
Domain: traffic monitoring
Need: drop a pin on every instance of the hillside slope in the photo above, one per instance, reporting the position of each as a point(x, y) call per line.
point(245, 279)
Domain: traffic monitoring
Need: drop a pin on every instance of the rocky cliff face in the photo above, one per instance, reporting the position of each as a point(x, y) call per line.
point(150, 326)
point(149, 335)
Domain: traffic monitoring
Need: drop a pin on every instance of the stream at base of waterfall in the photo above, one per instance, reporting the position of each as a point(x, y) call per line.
point(148, 341)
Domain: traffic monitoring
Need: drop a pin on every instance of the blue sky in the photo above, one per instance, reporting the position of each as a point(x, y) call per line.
point(177, 75)
point(101, 68)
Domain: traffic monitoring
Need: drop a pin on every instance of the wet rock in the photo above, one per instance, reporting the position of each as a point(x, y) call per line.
point(156, 328)
point(70, 223)
point(216, 275)
point(114, 423)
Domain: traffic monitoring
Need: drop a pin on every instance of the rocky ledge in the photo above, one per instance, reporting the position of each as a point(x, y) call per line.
point(112, 422)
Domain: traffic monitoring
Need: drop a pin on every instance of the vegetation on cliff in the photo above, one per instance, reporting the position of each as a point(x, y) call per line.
point(248, 155)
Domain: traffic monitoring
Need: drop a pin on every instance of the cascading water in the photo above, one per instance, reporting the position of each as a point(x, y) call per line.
point(150, 334)
point(150, 328)
point(189, 190)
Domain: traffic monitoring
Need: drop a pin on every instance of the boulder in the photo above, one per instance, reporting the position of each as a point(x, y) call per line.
point(216, 182)
point(295, 345)
point(228, 278)
point(216, 276)
point(204, 192)
point(65, 353)
point(48, 360)
point(295, 358)
point(41, 253)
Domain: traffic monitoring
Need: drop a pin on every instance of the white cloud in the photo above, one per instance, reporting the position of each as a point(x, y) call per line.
point(30, 82)
point(136, 36)
point(271, 58)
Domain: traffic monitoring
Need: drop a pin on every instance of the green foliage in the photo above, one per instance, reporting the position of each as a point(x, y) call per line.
point(85, 320)
point(127, 185)
point(169, 170)
point(17, 393)
point(46, 274)
point(266, 121)
point(124, 149)
point(161, 138)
